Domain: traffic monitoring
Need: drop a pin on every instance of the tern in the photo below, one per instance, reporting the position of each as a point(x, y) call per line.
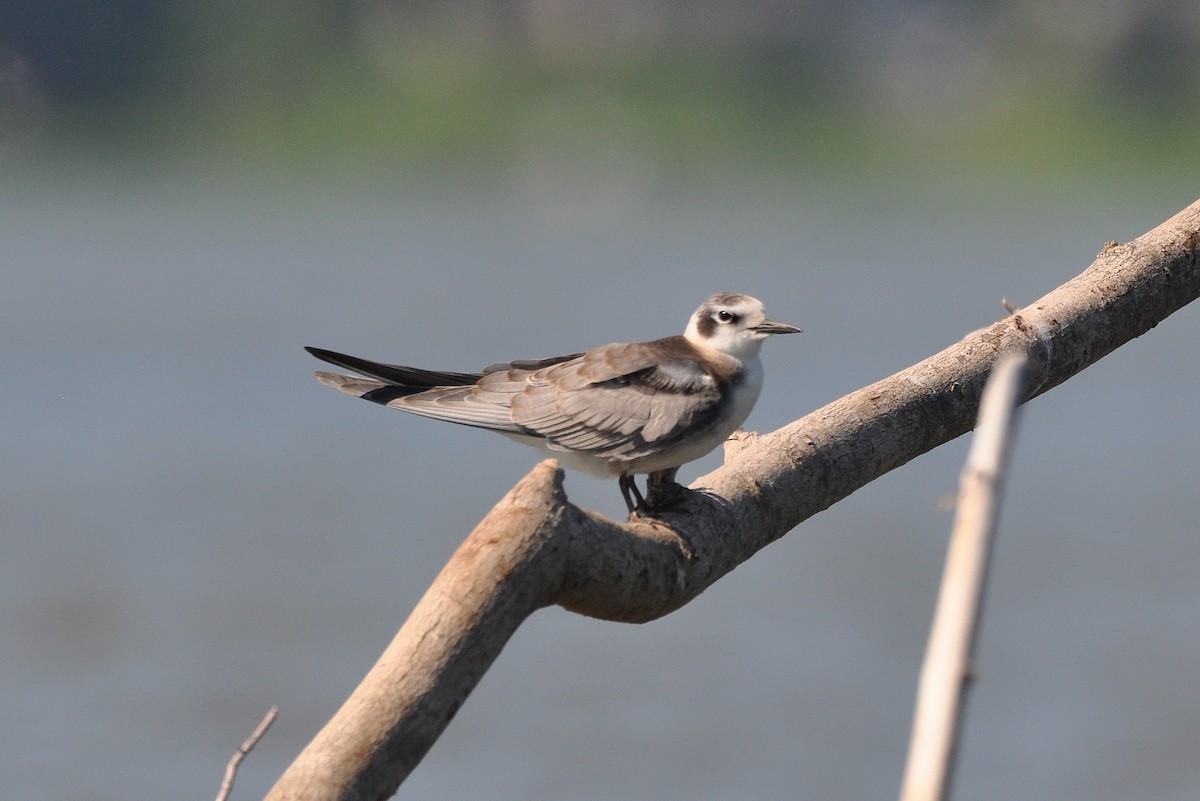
point(612, 411)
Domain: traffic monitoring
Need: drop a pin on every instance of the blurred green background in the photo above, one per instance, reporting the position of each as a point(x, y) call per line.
point(372, 84)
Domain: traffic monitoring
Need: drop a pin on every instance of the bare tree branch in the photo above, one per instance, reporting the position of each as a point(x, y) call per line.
point(939, 700)
point(246, 747)
point(535, 549)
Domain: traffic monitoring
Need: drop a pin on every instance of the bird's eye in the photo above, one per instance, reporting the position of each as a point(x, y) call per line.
point(726, 316)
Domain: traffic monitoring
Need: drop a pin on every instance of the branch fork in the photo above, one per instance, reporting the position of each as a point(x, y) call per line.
point(536, 549)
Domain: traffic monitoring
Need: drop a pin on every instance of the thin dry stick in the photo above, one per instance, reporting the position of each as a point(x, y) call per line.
point(243, 749)
point(939, 699)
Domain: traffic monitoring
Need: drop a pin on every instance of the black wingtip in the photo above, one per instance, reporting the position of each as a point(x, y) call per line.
point(386, 394)
point(360, 366)
point(395, 373)
point(325, 355)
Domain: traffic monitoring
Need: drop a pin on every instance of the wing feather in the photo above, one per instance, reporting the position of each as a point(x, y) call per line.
point(459, 405)
point(622, 401)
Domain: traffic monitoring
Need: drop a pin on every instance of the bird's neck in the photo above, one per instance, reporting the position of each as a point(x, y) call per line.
point(739, 352)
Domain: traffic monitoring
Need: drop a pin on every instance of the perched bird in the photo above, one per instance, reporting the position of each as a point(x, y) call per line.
point(616, 410)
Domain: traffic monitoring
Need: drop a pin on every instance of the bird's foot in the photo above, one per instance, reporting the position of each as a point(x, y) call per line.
point(664, 497)
point(662, 494)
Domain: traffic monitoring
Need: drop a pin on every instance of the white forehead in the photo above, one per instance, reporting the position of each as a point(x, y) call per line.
point(732, 301)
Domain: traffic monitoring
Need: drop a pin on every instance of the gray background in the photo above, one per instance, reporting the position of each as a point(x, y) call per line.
point(192, 529)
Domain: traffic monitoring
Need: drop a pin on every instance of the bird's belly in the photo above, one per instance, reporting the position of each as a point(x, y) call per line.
point(582, 461)
point(602, 466)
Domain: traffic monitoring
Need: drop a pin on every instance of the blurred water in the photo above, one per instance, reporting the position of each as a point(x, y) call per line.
point(194, 530)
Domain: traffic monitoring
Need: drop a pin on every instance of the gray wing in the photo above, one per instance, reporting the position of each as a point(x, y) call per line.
point(623, 401)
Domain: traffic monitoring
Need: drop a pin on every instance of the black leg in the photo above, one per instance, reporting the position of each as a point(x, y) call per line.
point(631, 494)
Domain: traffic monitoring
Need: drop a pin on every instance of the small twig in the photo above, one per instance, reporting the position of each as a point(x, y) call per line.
point(946, 668)
point(243, 749)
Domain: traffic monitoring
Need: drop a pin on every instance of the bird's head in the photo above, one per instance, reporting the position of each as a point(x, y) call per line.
point(733, 324)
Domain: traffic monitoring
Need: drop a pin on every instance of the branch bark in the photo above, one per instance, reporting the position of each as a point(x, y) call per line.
point(535, 549)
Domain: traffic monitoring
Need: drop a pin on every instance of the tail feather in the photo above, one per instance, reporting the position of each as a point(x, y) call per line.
point(452, 404)
point(369, 388)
